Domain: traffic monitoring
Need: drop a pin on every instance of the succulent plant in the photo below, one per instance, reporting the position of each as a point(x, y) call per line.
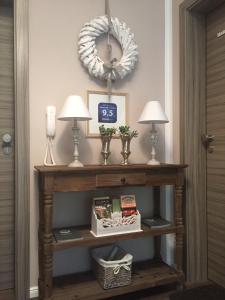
point(107, 131)
point(125, 130)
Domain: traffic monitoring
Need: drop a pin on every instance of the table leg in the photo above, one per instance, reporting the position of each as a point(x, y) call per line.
point(45, 247)
point(157, 213)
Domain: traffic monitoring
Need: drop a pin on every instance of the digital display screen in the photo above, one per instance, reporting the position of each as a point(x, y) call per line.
point(107, 112)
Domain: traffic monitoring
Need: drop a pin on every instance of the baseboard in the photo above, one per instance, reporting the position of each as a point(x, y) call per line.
point(34, 292)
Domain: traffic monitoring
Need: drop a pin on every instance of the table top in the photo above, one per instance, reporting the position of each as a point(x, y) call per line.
point(112, 167)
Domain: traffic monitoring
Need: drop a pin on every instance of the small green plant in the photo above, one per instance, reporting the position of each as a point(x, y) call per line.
point(107, 131)
point(125, 130)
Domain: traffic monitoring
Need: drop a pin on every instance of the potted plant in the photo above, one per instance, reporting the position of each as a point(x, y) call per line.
point(126, 135)
point(106, 136)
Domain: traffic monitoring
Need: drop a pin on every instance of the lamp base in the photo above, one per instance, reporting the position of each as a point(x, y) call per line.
point(75, 164)
point(153, 162)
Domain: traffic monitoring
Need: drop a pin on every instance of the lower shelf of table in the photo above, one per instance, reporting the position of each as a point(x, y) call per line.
point(84, 286)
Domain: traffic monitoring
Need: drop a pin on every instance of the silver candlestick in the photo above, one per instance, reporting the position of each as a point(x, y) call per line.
point(76, 131)
point(105, 147)
point(125, 148)
point(153, 140)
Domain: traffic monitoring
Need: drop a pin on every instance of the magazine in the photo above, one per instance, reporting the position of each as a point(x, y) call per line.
point(66, 234)
point(156, 222)
point(103, 207)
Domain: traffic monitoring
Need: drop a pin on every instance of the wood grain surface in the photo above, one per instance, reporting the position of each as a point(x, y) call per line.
point(84, 286)
point(22, 148)
point(192, 120)
point(89, 240)
point(7, 295)
point(193, 15)
point(64, 179)
point(7, 207)
point(216, 160)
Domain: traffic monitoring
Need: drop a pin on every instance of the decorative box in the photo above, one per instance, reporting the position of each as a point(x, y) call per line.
point(115, 225)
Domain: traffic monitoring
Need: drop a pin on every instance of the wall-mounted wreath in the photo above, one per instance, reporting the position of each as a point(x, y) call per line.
point(89, 55)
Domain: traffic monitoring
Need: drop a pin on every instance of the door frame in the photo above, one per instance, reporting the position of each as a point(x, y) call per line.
point(22, 158)
point(193, 125)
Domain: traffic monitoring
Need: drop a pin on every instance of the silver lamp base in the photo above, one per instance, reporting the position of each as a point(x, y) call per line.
point(153, 162)
point(75, 164)
point(153, 140)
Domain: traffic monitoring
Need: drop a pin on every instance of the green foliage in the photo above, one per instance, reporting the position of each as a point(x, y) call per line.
point(107, 131)
point(125, 130)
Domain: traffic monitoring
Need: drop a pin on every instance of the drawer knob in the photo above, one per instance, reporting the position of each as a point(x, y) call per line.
point(123, 180)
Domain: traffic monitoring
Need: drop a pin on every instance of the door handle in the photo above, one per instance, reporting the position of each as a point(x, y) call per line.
point(7, 143)
point(207, 139)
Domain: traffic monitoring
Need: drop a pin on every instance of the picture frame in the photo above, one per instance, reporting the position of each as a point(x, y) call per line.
point(111, 114)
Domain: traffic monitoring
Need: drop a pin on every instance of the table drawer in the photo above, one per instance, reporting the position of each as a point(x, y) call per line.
point(107, 180)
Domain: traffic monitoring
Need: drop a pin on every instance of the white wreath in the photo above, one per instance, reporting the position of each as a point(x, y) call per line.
point(89, 55)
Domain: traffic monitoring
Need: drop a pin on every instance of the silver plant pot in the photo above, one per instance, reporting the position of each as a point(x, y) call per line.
point(125, 139)
point(105, 148)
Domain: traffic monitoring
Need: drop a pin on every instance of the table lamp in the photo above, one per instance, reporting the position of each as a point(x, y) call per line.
point(153, 114)
point(75, 109)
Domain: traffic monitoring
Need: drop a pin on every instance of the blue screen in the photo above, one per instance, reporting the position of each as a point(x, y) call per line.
point(107, 112)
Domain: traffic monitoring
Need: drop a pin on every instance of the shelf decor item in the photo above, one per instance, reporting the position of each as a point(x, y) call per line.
point(111, 273)
point(115, 225)
point(106, 136)
point(156, 222)
point(117, 69)
point(74, 109)
point(126, 136)
point(153, 114)
point(66, 234)
point(107, 107)
point(115, 216)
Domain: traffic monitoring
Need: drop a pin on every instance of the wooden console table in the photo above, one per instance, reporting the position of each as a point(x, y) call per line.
point(93, 177)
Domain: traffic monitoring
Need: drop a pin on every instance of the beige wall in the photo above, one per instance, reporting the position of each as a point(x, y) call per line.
point(56, 72)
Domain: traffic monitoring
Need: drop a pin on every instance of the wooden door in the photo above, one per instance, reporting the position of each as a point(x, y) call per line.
point(7, 205)
point(215, 119)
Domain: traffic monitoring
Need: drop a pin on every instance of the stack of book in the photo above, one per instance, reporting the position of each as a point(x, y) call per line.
point(66, 234)
point(156, 222)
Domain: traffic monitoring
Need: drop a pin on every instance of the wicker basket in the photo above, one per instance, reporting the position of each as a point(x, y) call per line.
point(111, 274)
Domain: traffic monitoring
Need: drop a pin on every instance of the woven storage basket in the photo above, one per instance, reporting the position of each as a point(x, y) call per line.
point(111, 274)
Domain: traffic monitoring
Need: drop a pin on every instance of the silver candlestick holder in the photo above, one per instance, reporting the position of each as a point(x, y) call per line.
point(106, 139)
point(153, 140)
point(125, 139)
point(126, 135)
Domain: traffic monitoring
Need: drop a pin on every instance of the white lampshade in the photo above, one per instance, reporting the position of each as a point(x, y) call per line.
point(74, 108)
point(153, 113)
